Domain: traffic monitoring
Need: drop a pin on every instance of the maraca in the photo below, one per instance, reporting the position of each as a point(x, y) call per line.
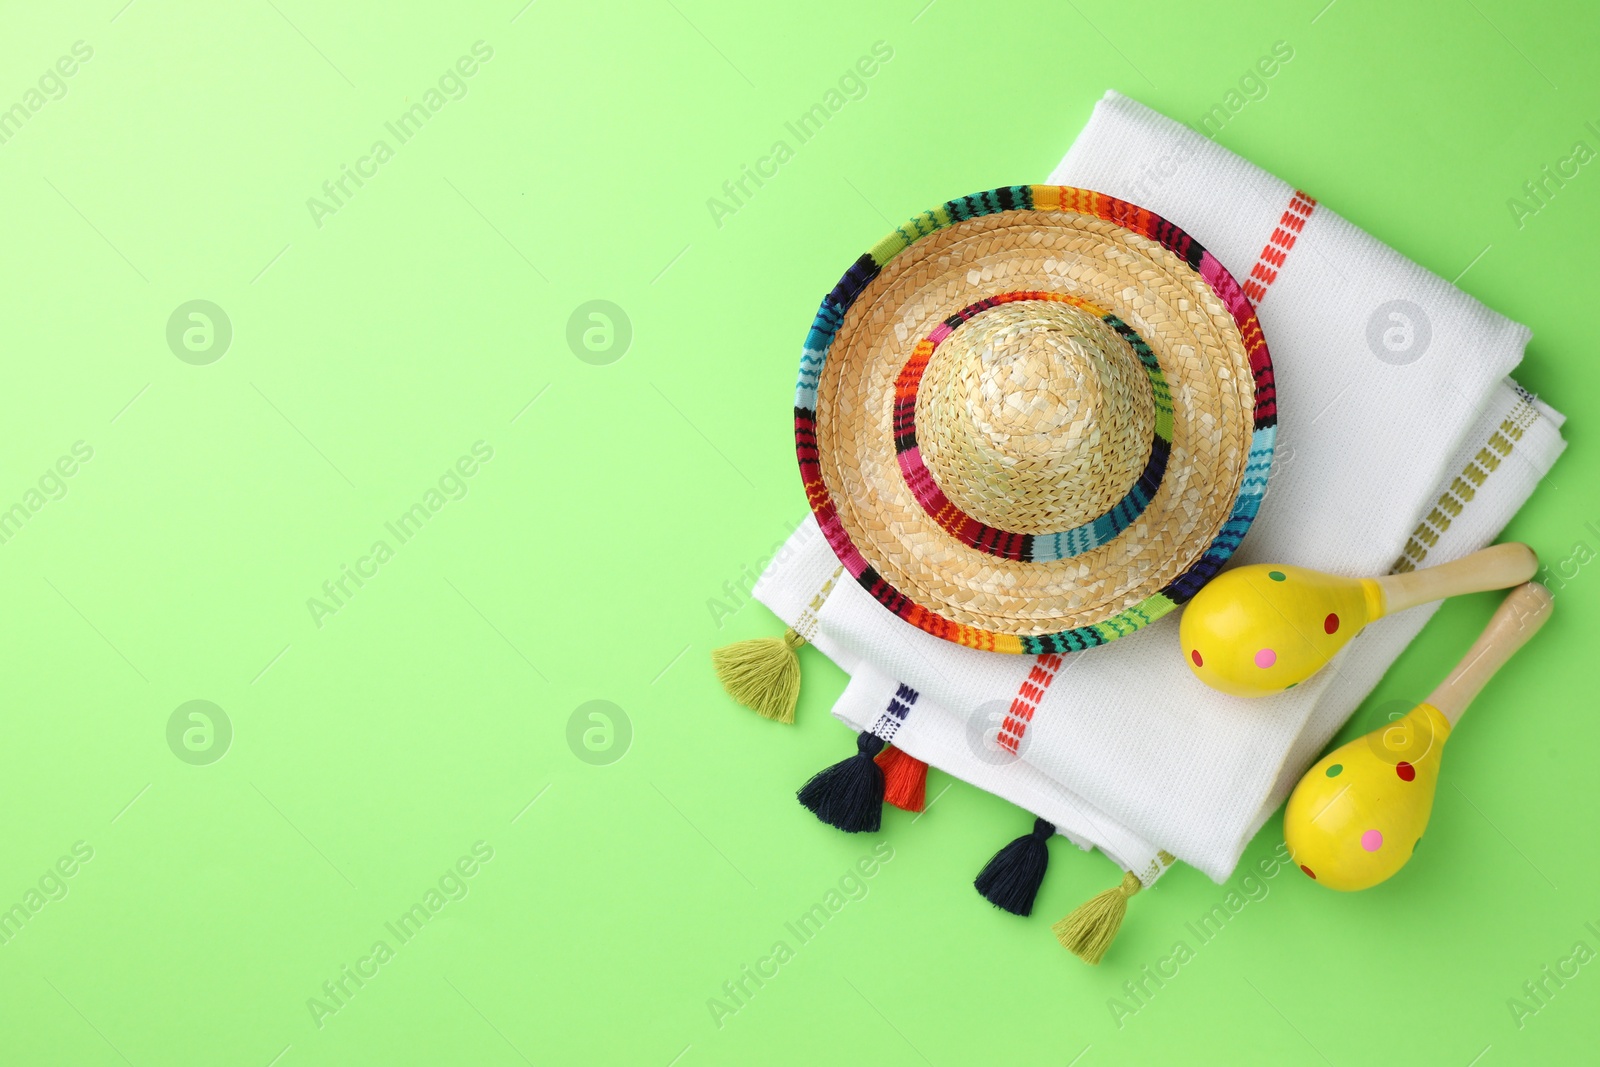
point(1356, 816)
point(1261, 629)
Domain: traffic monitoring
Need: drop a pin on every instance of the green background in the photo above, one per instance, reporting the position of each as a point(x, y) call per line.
point(370, 753)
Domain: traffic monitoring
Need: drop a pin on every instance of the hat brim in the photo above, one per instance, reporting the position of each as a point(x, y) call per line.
point(1080, 244)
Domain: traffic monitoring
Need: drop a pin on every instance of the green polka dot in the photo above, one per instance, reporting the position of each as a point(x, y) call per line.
point(1290, 686)
point(1333, 772)
point(1277, 576)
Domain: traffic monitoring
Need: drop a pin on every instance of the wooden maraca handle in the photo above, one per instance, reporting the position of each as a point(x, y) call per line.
point(1495, 567)
point(1518, 618)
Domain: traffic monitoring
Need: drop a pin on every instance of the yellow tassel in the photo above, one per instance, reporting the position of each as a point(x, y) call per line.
point(763, 674)
point(1093, 925)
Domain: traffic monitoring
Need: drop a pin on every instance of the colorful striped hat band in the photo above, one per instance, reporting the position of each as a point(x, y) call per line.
point(1054, 544)
point(1035, 419)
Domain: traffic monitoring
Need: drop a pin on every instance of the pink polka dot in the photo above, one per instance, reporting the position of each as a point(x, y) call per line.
point(1372, 840)
point(1195, 655)
point(1266, 658)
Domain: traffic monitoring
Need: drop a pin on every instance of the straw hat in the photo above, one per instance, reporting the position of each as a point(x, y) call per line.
point(1035, 419)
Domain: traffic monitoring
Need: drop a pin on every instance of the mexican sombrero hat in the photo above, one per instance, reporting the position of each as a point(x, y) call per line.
point(1035, 419)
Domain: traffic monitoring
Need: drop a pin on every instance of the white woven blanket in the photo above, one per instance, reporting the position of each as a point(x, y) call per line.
point(1397, 427)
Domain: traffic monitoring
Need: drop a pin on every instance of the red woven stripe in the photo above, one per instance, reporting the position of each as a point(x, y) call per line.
point(1276, 251)
point(1030, 694)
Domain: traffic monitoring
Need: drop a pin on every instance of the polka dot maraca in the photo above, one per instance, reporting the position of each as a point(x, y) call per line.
point(1261, 629)
point(1357, 815)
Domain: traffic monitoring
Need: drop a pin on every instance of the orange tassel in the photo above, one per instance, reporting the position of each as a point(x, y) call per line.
point(905, 779)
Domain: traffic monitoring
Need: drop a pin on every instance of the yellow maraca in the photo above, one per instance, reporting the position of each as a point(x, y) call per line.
point(1261, 629)
point(1357, 814)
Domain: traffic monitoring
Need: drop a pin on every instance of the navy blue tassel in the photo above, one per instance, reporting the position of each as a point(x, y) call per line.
point(849, 795)
point(1011, 879)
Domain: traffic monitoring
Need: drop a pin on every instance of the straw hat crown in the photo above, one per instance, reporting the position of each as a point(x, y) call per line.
point(1035, 417)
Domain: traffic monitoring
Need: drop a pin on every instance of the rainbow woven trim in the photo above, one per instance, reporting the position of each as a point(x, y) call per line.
point(1041, 548)
point(1037, 198)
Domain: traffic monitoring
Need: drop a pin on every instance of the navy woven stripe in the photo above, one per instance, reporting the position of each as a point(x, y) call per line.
point(855, 279)
point(900, 703)
point(1154, 470)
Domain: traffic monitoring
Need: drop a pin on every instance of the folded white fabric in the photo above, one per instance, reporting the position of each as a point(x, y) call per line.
point(803, 576)
point(1390, 382)
point(940, 739)
point(1499, 464)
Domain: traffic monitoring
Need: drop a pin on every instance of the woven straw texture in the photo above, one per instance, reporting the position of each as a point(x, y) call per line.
point(1036, 418)
point(1033, 424)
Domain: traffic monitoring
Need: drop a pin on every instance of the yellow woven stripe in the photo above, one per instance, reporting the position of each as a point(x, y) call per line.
point(1454, 499)
point(1082, 201)
point(911, 230)
point(982, 640)
point(888, 248)
point(1046, 197)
